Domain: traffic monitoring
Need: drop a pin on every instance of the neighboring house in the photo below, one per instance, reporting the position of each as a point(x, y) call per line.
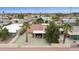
point(14, 19)
point(58, 23)
point(13, 28)
point(75, 33)
point(46, 19)
point(4, 20)
point(71, 21)
point(28, 19)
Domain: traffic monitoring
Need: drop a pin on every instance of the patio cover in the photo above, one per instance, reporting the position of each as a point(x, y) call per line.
point(39, 32)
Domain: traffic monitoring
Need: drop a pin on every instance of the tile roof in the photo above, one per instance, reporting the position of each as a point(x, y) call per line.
point(35, 27)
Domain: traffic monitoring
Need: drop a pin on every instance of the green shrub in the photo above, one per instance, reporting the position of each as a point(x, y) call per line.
point(52, 33)
point(4, 33)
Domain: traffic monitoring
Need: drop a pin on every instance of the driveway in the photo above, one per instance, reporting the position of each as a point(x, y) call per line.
point(31, 41)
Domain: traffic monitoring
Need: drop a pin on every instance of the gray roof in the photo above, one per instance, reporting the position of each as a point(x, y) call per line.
point(75, 29)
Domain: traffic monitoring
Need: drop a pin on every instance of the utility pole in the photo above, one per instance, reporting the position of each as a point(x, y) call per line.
point(40, 14)
point(3, 14)
point(71, 11)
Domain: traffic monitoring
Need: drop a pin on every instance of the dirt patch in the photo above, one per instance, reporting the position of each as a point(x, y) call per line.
point(5, 41)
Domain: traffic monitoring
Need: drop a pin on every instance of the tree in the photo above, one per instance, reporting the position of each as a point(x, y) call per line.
point(25, 26)
point(77, 21)
point(55, 18)
point(39, 20)
point(67, 28)
point(46, 21)
point(74, 14)
point(4, 33)
point(1, 27)
point(36, 16)
point(52, 33)
point(9, 17)
point(20, 16)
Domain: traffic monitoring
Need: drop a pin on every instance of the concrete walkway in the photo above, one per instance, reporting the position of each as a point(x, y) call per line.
point(21, 39)
point(16, 37)
point(67, 41)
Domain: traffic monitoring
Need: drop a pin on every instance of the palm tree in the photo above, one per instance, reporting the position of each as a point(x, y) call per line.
point(67, 28)
point(25, 26)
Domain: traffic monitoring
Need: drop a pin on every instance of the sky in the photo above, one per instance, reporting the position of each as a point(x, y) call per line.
point(39, 9)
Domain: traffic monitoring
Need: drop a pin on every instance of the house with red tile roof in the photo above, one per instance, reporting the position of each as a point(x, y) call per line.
point(35, 27)
point(38, 30)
